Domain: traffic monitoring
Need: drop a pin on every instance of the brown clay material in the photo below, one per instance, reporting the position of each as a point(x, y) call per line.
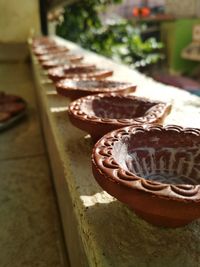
point(81, 67)
point(12, 107)
point(4, 116)
point(5, 98)
point(54, 63)
point(76, 89)
point(54, 49)
point(59, 56)
point(100, 114)
point(39, 46)
point(154, 170)
point(48, 46)
point(49, 57)
point(59, 73)
point(60, 61)
point(43, 40)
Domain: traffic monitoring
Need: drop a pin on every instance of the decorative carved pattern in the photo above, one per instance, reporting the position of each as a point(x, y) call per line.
point(152, 114)
point(104, 160)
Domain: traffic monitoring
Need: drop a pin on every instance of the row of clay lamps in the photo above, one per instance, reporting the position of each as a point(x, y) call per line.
point(153, 169)
point(62, 64)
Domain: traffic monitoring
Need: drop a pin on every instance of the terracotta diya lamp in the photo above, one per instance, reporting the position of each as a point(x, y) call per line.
point(154, 170)
point(76, 72)
point(75, 89)
point(50, 50)
point(100, 114)
point(7, 98)
point(47, 46)
point(48, 57)
point(44, 41)
point(10, 106)
point(59, 56)
point(71, 59)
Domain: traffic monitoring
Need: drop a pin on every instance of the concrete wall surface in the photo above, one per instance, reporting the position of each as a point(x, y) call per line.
point(18, 19)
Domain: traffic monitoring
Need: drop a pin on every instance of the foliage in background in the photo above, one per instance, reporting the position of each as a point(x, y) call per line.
point(117, 38)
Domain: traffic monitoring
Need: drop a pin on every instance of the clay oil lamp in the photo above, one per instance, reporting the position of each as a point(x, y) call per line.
point(11, 106)
point(100, 114)
point(11, 103)
point(83, 71)
point(59, 56)
point(154, 170)
point(55, 62)
point(47, 46)
point(75, 89)
point(52, 49)
point(42, 39)
point(7, 98)
point(36, 43)
point(43, 42)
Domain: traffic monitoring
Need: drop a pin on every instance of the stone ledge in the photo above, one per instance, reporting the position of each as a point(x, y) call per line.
point(99, 230)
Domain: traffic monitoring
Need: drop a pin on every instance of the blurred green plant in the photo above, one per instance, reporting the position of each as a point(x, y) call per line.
point(117, 39)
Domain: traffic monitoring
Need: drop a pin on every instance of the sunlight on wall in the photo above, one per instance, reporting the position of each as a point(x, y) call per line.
point(100, 198)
